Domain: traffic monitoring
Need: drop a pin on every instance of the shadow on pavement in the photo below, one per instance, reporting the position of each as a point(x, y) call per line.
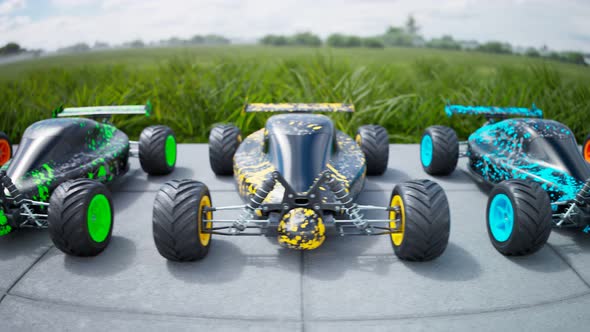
point(23, 242)
point(117, 257)
point(226, 261)
point(455, 264)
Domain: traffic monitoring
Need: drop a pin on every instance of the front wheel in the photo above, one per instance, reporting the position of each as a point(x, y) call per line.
point(586, 149)
point(519, 217)
point(374, 142)
point(80, 217)
point(420, 213)
point(5, 148)
point(179, 220)
point(439, 150)
point(157, 150)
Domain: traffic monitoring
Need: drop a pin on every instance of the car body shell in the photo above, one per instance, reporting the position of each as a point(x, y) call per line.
point(54, 151)
point(543, 151)
point(300, 147)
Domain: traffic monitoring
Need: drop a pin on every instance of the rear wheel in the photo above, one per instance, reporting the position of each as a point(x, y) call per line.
point(157, 150)
point(5, 148)
point(439, 150)
point(586, 149)
point(179, 220)
point(519, 217)
point(81, 217)
point(224, 141)
point(374, 142)
point(423, 219)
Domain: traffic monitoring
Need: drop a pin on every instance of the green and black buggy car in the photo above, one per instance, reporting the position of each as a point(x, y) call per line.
point(298, 176)
point(56, 180)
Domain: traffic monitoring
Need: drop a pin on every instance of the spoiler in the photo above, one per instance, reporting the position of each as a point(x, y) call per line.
point(299, 108)
point(62, 112)
point(494, 112)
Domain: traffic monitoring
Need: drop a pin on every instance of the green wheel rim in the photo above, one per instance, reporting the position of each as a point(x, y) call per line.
point(99, 218)
point(170, 150)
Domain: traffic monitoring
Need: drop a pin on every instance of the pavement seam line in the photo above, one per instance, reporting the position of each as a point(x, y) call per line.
point(569, 265)
point(91, 308)
point(7, 292)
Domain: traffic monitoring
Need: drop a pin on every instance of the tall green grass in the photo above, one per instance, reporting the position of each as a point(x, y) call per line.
point(404, 90)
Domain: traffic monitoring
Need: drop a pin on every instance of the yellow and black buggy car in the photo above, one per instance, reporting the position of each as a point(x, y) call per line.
point(297, 176)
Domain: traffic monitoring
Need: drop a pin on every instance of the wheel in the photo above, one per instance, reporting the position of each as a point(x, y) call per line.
point(586, 149)
point(439, 150)
point(519, 217)
point(5, 148)
point(374, 142)
point(81, 217)
point(422, 212)
point(224, 141)
point(157, 150)
point(178, 220)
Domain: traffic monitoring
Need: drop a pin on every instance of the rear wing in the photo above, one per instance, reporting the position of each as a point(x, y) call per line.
point(100, 111)
point(299, 108)
point(494, 112)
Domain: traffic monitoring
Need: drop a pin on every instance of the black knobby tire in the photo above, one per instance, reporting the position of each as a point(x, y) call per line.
point(154, 156)
point(445, 150)
point(178, 220)
point(68, 217)
point(6, 140)
point(586, 149)
point(224, 141)
point(427, 220)
point(374, 142)
point(532, 217)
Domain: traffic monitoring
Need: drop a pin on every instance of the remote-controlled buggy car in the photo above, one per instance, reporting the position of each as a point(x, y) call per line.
point(56, 178)
point(5, 148)
point(297, 176)
point(540, 178)
point(586, 149)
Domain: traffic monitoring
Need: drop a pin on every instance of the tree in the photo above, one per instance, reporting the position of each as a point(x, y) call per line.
point(306, 39)
point(412, 27)
point(446, 42)
point(274, 40)
point(11, 49)
point(373, 42)
point(395, 36)
point(495, 47)
point(532, 52)
point(100, 45)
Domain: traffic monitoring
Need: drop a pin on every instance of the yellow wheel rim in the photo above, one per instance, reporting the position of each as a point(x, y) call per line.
point(587, 152)
point(397, 238)
point(358, 139)
point(205, 238)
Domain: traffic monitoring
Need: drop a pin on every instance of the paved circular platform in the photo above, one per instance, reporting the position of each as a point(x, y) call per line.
point(250, 283)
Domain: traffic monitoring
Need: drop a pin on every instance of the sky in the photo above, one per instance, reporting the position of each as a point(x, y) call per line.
point(51, 24)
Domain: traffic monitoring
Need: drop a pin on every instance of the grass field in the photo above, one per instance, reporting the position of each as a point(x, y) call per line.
point(192, 88)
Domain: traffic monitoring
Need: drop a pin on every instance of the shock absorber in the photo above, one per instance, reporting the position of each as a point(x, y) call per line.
point(350, 208)
point(583, 195)
point(256, 200)
point(579, 201)
point(12, 189)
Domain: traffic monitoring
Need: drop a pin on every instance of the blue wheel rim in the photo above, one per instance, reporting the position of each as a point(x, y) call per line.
point(501, 218)
point(426, 150)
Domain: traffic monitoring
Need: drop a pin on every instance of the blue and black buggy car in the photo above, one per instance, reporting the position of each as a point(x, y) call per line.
point(297, 177)
point(540, 179)
point(57, 180)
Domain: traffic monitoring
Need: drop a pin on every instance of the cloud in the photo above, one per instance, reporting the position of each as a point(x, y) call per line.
point(521, 22)
point(9, 6)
